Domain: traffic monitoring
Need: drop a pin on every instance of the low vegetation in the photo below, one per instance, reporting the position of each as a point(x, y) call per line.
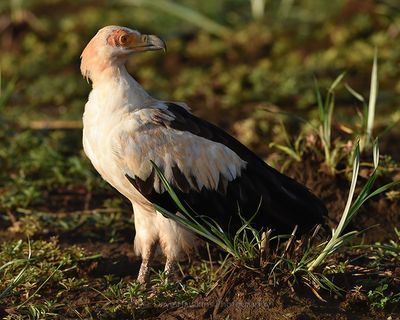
point(312, 87)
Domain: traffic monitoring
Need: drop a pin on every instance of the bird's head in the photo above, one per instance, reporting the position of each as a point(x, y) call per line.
point(112, 46)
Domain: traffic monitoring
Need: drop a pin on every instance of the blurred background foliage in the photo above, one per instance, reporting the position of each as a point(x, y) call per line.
point(230, 60)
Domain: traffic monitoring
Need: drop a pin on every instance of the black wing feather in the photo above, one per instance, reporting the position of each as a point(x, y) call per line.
point(284, 202)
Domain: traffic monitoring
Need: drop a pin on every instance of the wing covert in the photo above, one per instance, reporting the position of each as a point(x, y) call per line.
point(211, 171)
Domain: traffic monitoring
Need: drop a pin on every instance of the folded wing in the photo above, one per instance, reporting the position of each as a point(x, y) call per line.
point(212, 172)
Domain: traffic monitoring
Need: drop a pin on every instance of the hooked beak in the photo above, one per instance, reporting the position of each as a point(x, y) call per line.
point(154, 42)
point(148, 42)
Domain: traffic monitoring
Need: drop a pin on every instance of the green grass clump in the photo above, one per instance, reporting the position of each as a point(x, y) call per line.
point(33, 267)
point(339, 239)
point(34, 162)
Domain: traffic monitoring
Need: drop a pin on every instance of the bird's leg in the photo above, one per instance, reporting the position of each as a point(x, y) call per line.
point(144, 272)
point(170, 268)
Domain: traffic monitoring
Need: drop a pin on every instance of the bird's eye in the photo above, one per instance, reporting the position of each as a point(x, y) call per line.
point(123, 39)
point(144, 38)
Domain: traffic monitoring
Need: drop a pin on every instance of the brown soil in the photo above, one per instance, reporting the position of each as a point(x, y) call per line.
point(249, 298)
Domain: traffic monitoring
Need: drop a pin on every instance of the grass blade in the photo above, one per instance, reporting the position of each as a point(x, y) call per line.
point(344, 219)
point(372, 96)
point(18, 278)
point(184, 13)
point(243, 245)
